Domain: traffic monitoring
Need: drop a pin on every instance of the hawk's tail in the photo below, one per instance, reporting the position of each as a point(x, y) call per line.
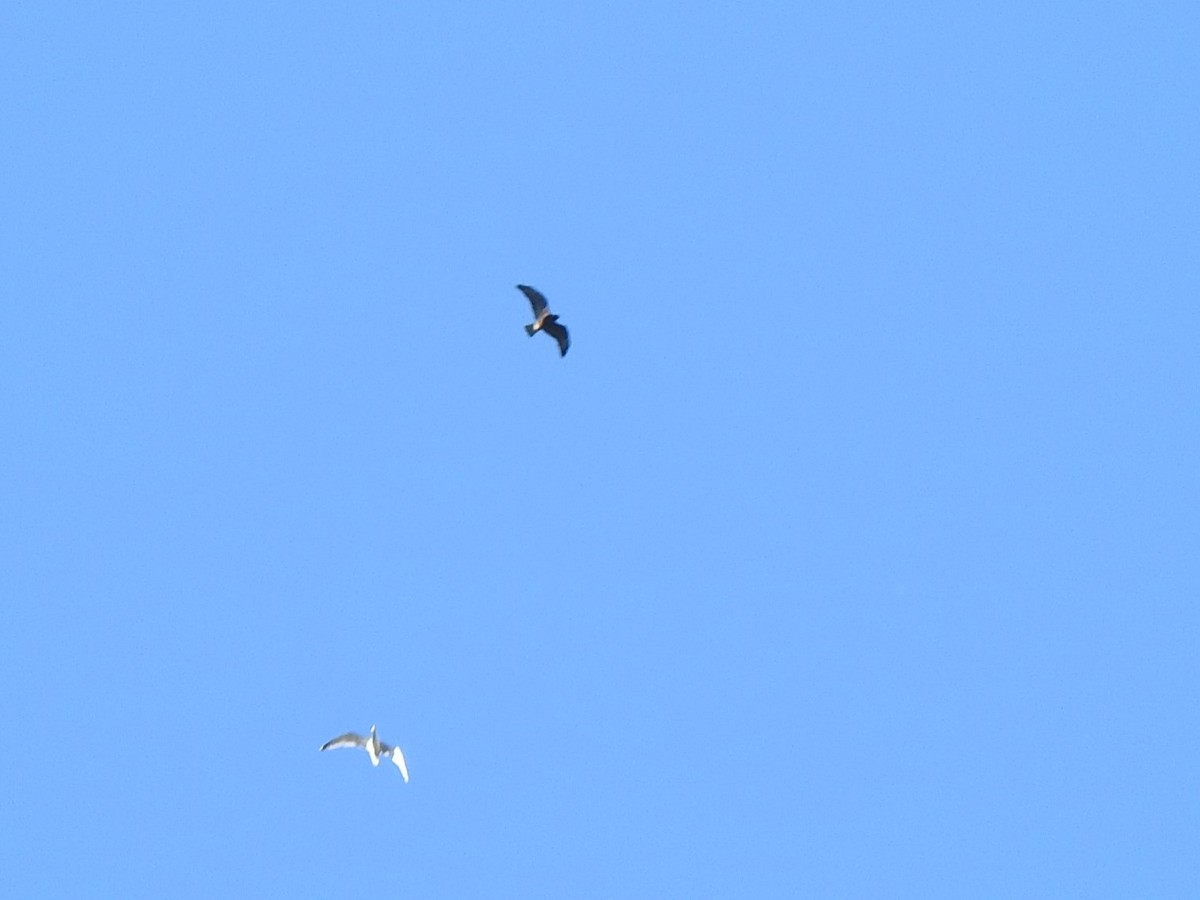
point(529, 330)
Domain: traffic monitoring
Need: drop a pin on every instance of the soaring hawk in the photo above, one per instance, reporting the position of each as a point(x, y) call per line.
point(544, 320)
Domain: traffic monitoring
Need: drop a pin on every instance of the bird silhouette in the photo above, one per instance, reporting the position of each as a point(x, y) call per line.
point(544, 320)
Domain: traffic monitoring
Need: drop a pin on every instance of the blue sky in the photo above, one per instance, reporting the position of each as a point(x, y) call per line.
point(850, 552)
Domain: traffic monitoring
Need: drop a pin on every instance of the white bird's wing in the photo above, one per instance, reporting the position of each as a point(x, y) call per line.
point(397, 757)
point(349, 739)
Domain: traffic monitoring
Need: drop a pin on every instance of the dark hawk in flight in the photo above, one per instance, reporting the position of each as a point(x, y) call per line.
point(544, 320)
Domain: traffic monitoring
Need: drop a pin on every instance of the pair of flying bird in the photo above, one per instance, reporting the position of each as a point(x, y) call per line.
point(543, 320)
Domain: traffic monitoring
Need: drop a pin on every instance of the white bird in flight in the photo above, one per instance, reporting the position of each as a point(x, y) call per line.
point(373, 745)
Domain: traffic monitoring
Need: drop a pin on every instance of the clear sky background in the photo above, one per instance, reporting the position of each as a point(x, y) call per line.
point(850, 552)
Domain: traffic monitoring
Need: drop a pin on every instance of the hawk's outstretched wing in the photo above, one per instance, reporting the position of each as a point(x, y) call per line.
point(349, 739)
point(558, 331)
point(536, 300)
